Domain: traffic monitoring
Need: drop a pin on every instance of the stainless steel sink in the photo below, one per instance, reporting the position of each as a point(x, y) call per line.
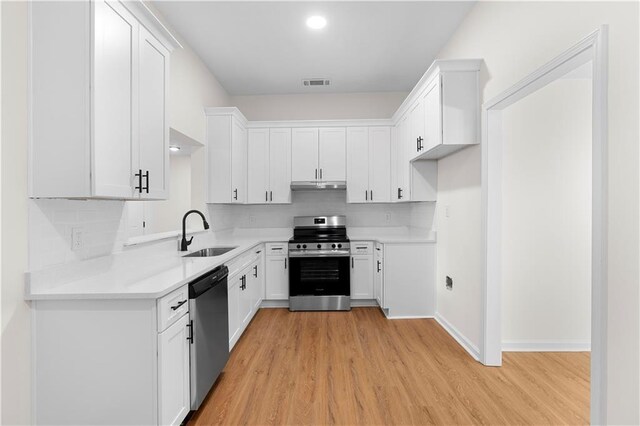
point(210, 252)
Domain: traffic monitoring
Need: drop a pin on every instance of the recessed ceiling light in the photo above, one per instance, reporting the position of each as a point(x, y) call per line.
point(316, 22)
point(174, 148)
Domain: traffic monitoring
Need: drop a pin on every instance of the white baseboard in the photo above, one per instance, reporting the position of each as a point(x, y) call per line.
point(459, 337)
point(363, 303)
point(545, 346)
point(392, 317)
point(274, 304)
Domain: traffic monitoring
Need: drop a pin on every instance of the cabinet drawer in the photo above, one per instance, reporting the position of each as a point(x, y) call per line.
point(277, 249)
point(172, 306)
point(361, 247)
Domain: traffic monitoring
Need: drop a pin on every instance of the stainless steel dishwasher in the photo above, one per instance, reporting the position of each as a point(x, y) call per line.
point(209, 337)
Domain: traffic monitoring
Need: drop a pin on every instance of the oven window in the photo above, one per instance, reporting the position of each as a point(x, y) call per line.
point(319, 276)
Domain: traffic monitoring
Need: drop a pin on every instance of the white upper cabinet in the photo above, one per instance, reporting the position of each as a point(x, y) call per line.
point(444, 110)
point(368, 164)
point(332, 163)
point(410, 180)
point(280, 166)
point(380, 164)
point(357, 164)
point(115, 72)
point(269, 166)
point(226, 156)
point(304, 154)
point(258, 166)
point(99, 83)
point(432, 116)
point(152, 113)
point(318, 154)
point(416, 129)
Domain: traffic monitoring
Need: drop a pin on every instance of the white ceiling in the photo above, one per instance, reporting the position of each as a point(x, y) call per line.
point(257, 48)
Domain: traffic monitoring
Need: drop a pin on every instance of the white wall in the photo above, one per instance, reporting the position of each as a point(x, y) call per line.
point(515, 38)
point(546, 217)
point(330, 106)
point(419, 215)
point(16, 374)
point(163, 216)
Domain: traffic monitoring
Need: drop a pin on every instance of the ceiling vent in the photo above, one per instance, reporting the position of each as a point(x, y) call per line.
point(316, 82)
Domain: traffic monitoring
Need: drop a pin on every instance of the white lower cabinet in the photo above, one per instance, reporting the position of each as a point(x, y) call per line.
point(378, 274)
point(408, 282)
point(276, 272)
point(111, 361)
point(234, 283)
point(245, 293)
point(173, 373)
point(361, 270)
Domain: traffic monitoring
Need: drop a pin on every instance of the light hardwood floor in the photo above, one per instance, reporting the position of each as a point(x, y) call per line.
point(359, 368)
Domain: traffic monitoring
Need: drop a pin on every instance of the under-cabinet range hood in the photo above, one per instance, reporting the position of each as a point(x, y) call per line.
point(318, 185)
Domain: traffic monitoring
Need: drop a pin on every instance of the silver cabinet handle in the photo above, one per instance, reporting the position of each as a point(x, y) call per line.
point(372, 195)
point(366, 195)
point(316, 174)
point(266, 195)
point(270, 195)
point(320, 174)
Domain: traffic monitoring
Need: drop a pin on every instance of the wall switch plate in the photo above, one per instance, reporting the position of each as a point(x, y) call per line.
point(447, 211)
point(252, 219)
point(449, 284)
point(76, 239)
point(387, 217)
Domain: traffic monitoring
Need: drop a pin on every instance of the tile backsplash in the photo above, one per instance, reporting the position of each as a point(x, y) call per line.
point(104, 228)
point(418, 215)
point(101, 223)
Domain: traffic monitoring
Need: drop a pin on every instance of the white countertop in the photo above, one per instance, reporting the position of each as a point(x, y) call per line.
point(153, 273)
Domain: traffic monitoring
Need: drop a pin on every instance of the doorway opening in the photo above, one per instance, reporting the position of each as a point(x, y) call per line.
point(588, 56)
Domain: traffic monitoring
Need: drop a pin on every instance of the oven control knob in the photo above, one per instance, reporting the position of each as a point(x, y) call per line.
point(339, 245)
point(319, 246)
point(298, 246)
point(304, 246)
point(333, 246)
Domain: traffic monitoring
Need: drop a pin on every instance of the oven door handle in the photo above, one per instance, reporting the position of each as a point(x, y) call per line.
point(310, 255)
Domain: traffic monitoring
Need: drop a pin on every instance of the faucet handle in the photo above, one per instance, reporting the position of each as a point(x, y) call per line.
point(189, 241)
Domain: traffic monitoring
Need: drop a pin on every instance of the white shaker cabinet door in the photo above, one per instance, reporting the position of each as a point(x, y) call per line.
point(153, 127)
point(238, 163)
point(416, 132)
point(304, 154)
point(404, 165)
point(247, 292)
point(173, 373)
point(380, 164)
point(258, 166)
point(277, 278)
point(280, 166)
point(115, 74)
point(333, 154)
point(233, 298)
point(362, 276)
point(357, 164)
point(433, 115)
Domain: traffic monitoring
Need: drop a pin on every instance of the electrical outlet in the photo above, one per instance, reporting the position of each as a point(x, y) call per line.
point(252, 219)
point(76, 239)
point(387, 217)
point(449, 283)
point(447, 211)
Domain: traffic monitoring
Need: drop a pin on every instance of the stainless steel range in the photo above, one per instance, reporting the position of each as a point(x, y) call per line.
point(319, 256)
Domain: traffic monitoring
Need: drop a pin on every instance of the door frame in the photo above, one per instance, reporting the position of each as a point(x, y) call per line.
point(592, 48)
